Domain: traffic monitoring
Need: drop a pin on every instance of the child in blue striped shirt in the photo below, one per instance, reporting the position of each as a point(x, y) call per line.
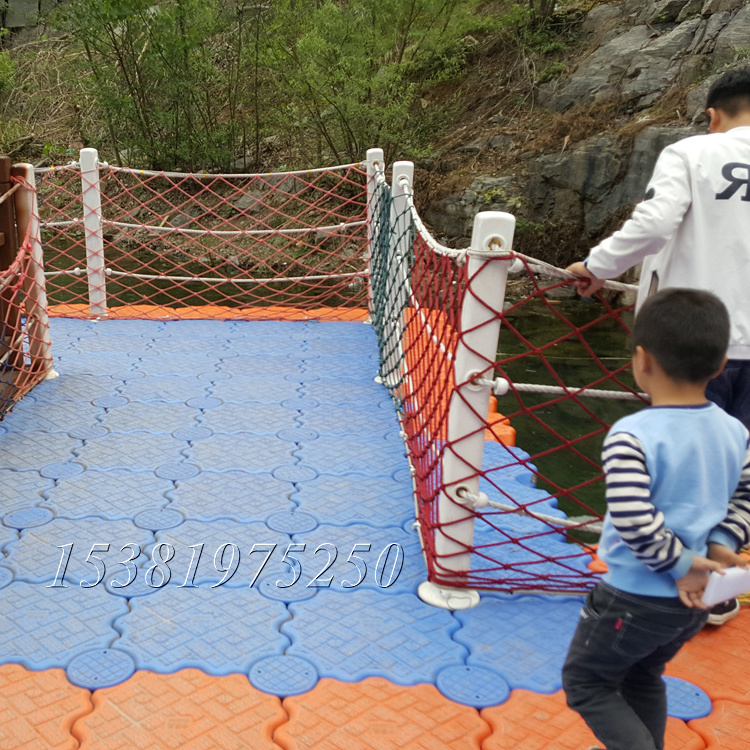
point(675, 472)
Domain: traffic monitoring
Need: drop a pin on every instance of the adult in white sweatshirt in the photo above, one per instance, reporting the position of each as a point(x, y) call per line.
point(693, 230)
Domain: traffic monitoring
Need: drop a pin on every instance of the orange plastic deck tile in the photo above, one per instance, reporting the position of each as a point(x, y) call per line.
point(376, 715)
point(187, 709)
point(543, 722)
point(217, 312)
point(37, 709)
point(718, 660)
point(726, 727)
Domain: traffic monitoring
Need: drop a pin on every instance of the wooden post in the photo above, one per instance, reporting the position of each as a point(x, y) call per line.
point(11, 355)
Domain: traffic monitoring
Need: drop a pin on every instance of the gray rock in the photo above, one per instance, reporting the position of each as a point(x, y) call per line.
point(475, 146)
point(21, 13)
point(601, 18)
point(502, 142)
point(691, 9)
point(696, 101)
point(657, 66)
point(589, 169)
point(647, 146)
point(661, 11)
point(599, 76)
point(250, 203)
point(719, 6)
point(733, 38)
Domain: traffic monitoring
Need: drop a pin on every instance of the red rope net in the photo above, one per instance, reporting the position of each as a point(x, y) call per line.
point(541, 466)
point(25, 357)
point(211, 246)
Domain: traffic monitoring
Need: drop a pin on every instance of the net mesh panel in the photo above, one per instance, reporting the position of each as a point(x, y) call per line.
point(211, 246)
point(554, 472)
point(23, 359)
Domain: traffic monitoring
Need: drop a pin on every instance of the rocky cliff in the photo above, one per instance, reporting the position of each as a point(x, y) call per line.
point(645, 69)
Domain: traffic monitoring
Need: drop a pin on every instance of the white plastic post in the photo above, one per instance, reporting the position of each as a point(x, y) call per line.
point(375, 158)
point(403, 178)
point(92, 225)
point(34, 287)
point(487, 274)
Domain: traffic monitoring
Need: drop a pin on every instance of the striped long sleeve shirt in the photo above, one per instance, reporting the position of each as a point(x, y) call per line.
point(674, 475)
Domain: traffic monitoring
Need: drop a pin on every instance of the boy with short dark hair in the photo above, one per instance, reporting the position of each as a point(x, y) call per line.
point(693, 230)
point(675, 472)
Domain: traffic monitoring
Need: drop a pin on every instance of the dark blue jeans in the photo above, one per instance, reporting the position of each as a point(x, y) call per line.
point(613, 672)
point(731, 390)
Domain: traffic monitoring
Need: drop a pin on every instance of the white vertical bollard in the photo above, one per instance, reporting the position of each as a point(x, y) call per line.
point(92, 225)
point(34, 286)
point(375, 158)
point(401, 239)
point(487, 273)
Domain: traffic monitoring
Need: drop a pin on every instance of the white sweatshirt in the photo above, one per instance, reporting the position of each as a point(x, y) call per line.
point(693, 228)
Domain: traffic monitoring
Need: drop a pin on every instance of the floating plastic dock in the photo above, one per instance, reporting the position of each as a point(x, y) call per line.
point(207, 543)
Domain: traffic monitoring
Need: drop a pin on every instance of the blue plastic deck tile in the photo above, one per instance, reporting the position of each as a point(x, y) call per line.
point(88, 433)
point(320, 329)
point(251, 453)
point(33, 416)
point(34, 450)
point(202, 565)
point(150, 417)
point(252, 417)
point(269, 390)
point(354, 498)
point(6, 576)
point(345, 391)
point(351, 638)
point(125, 344)
point(19, 489)
point(524, 638)
point(365, 345)
point(349, 419)
point(297, 434)
point(45, 628)
point(153, 363)
point(263, 346)
point(166, 345)
point(284, 588)
point(177, 471)
point(686, 701)
point(169, 389)
point(100, 668)
point(291, 521)
point(344, 366)
point(77, 388)
point(145, 328)
point(283, 675)
point(286, 329)
point(357, 557)
point(116, 494)
point(295, 473)
point(473, 686)
point(370, 455)
point(235, 495)
point(508, 462)
point(75, 364)
point(211, 329)
point(28, 518)
point(139, 451)
point(37, 555)
point(192, 434)
point(8, 534)
point(71, 326)
point(220, 631)
point(260, 365)
point(158, 519)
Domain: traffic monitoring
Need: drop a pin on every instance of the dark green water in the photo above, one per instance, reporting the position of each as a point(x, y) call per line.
point(570, 470)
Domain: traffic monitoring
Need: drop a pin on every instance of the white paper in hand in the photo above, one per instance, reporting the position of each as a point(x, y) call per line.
point(734, 582)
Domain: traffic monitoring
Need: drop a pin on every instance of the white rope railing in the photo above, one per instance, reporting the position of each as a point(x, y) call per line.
point(231, 280)
point(584, 523)
point(330, 229)
point(230, 176)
